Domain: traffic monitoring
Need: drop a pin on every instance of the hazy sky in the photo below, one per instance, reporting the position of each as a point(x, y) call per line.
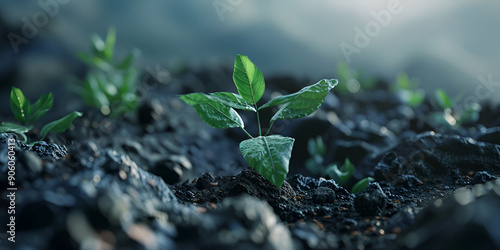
point(447, 44)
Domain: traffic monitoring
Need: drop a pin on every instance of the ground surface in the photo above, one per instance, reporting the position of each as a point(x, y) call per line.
point(162, 179)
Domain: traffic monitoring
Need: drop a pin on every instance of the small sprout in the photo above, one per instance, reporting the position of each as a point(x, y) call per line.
point(317, 150)
point(351, 80)
point(315, 164)
point(407, 91)
point(453, 115)
point(27, 114)
point(343, 174)
point(361, 185)
point(443, 100)
point(268, 154)
point(109, 86)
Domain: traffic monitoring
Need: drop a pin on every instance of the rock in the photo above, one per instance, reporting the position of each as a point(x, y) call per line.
point(44, 150)
point(149, 112)
point(114, 202)
point(323, 195)
point(172, 169)
point(305, 184)
point(132, 147)
point(372, 201)
point(469, 219)
point(482, 177)
point(490, 135)
point(242, 222)
point(313, 237)
point(204, 181)
point(430, 155)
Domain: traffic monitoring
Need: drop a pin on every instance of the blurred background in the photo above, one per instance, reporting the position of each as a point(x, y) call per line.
point(448, 44)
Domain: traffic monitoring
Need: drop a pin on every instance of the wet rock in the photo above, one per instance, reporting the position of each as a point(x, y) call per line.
point(490, 135)
point(304, 184)
point(372, 201)
point(205, 181)
point(114, 201)
point(172, 169)
point(430, 155)
point(409, 181)
point(242, 223)
point(31, 163)
point(44, 150)
point(132, 147)
point(469, 219)
point(323, 195)
point(482, 177)
point(83, 154)
point(313, 237)
point(149, 112)
point(251, 182)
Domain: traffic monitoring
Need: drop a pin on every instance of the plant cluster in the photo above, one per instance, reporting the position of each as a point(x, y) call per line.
point(268, 154)
point(451, 116)
point(27, 114)
point(352, 80)
point(315, 165)
point(111, 87)
point(407, 90)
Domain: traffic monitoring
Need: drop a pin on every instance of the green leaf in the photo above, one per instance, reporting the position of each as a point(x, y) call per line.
point(302, 103)
point(106, 86)
point(348, 168)
point(416, 98)
point(343, 174)
point(213, 112)
point(19, 105)
point(269, 155)
point(361, 185)
point(403, 82)
point(129, 80)
point(93, 93)
point(233, 100)
point(110, 43)
point(316, 147)
point(41, 107)
point(98, 45)
point(338, 175)
point(127, 62)
point(248, 79)
point(59, 125)
point(8, 127)
point(471, 114)
point(443, 99)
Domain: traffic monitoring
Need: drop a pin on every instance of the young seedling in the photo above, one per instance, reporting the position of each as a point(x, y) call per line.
point(452, 115)
point(268, 154)
point(315, 165)
point(351, 80)
point(317, 150)
point(407, 90)
point(109, 87)
point(27, 114)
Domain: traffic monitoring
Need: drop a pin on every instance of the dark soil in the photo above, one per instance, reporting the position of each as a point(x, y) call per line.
point(162, 179)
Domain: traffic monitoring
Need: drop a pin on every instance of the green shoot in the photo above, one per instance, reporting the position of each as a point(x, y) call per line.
point(268, 154)
point(27, 114)
point(109, 86)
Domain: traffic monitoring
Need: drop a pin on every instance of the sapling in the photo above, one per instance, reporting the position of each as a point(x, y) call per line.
point(109, 86)
point(315, 165)
point(268, 154)
point(27, 114)
point(406, 89)
point(451, 114)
